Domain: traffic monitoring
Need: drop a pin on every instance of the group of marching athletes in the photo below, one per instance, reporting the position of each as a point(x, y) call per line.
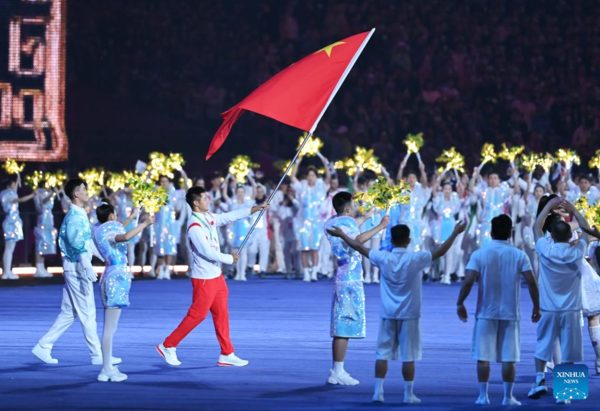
point(452, 226)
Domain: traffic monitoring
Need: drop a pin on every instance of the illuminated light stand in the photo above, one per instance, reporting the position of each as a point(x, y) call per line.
point(570, 394)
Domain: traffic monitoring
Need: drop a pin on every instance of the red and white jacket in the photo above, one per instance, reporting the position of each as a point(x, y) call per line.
point(203, 241)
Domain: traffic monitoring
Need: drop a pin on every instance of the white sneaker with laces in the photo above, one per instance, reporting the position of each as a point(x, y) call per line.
point(314, 274)
point(99, 361)
point(44, 354)
point(510, 401)
point(367, 279)
point(113, 375)
point(563, 401)
point(9, 275)
point(378, 397)
point(306, 273)
point(341, 378)
point(231, 360)
point(169, 354)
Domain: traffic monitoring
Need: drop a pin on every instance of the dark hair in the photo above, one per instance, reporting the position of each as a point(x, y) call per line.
point(194, 194)
point(489, 173)
point(539, 186)
point(10, 179)
point(552, 217)
point(501, 227)
point(585, 177)
point(561, 231)
point(400, 234)
point(160, 177)
point(72, 185)
point(313, 169)
point(412, 172)
point(104, 210)
point(341, 200)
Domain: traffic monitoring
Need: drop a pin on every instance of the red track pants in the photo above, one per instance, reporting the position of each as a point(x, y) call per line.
point(209, 295)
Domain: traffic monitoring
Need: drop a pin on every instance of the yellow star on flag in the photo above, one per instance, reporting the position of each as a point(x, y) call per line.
point(330, 47)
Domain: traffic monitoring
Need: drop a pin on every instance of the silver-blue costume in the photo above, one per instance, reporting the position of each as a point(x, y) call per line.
point(93, 203)
point(310, 219)
point(493, 202)
point(386, 241)
point(447, 214)
point(45, 233)
point(412, 216)
point(12, 224)
point(166, 228)
point(238, 230)
point(124, 208)
point(348, 317)
point(115, 282)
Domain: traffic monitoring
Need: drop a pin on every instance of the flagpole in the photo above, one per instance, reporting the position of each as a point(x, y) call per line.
point(310, 133)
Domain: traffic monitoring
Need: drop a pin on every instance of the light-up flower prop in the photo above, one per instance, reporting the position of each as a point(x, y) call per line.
point(530, 161)
point(568, 157)
point(12, 167)
point(174, 162)
point(452, 159)
point(283, 165)
point(94, 180)
point(365, 160)
point(346, 165)
point(546, 161)
point(312, 146)
point(240, 167)
point(413, 143)
point(147, 195)
point(595, 161)
point(118, 181)
point(34, 180)
point(510, 154)
point(57, 179)
point(488, 155)
point(383, 196)
point(591, 213)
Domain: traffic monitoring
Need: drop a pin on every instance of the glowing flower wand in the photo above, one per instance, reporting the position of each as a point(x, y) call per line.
point(569, 157)
point(240, 167)
point(312, 147)
point(488, 154)
point(413, 143)
point(510, 154)
point(12, 167)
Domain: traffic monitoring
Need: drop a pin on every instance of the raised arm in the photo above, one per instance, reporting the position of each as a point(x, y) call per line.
point(337, 232)
point(327, 170)
point(583, 224)
point(253, 185)
point(121, 238)
point(424, 181)
point(131, 217)
point(294, 175)
point(367, 235)
point(538, 228)
point(224, 188)
point(443, 249)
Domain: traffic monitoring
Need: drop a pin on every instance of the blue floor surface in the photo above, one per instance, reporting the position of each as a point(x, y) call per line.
point(281, 327)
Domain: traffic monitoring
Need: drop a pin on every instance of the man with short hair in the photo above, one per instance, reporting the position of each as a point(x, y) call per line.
point(497, 267)
point(348, 319)
point(401, 288)
point(210, 290)
point(560, 291)
point(76, 249)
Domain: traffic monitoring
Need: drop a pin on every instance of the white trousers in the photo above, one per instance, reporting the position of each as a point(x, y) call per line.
point(77, 302)
point(260, 245)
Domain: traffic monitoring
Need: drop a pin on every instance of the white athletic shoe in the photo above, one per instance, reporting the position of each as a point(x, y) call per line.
point(9, 275)
point(169, 354)
point(306, 275)
point(482, 401)
point(231, 360)
point(341, 378)
point(313, 274)
point(113, 375)
point(413, 399)
point(367, 279)
point(375, 279)
point(378, 397)
point(510, 401)
point(537, 390)
point(167, 275)
point(44, 354)
point(598, 366)
point(563, 401)
point(99, 361)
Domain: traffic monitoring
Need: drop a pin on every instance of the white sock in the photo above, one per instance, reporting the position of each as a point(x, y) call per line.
point(483, 390)
point(338, 367)
point(595, 338)
point(378, 386)
point(408, 388)
point(40, 267)
point(508, 389)
point(539, 376)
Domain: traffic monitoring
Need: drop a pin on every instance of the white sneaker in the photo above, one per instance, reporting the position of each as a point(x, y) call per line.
point(375, 279)
point(306, 275)
point(563, 401)
point(169, 354)
point(161, 273)
point(341, 378)
point(537, 390)
point(9, 275)
point(167, 275)
point(44, 354)
point(313, 274)
point(378, 397)
point(482, 401)
point(510, 401)
point(598, 366)
point(231, 360)
point(99, 361)
point(367, 279)
point(413, 399)
point(113, 375)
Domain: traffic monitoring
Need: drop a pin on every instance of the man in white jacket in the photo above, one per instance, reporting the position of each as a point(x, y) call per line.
point(210, 290)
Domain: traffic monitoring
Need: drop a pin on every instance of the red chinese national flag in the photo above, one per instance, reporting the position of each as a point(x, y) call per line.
point(298, 95)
